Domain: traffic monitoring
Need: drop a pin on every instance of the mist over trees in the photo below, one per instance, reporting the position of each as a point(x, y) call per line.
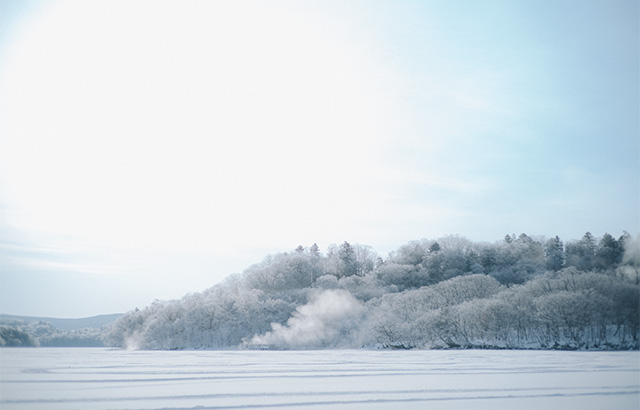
point(521, 292)
point(16, 332)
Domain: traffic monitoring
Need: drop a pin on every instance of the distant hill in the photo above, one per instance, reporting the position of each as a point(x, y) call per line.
point(68, 324)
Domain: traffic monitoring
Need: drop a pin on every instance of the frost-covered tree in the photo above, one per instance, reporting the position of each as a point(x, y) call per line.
point(314, 249)
point(581, 254)
point(609, 253)
point(554, 253)
point(14, 337)
point(348, 263)
point(446, 293)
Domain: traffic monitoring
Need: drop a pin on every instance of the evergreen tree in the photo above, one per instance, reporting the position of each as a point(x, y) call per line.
point(582, 253)
point(348, 261)
point(489, 259)
point(554, 254)
point(609, 253)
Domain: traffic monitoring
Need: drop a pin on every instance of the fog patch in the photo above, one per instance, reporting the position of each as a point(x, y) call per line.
point(631, 259)
point(134, 341)
point(328, 320)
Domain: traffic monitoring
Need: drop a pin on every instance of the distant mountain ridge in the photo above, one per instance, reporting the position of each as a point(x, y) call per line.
point(68, 324)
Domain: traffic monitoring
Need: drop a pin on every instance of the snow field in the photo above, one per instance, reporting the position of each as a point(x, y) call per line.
point(100, 379)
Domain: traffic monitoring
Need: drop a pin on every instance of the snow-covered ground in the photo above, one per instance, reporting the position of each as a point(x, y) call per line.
point(88, 378)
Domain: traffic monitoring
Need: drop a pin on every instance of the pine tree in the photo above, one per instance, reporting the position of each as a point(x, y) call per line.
point(348, 261)
point(609, 252)
point(554, 254)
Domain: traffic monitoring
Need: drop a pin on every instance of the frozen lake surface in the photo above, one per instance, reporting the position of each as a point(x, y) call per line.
point(85, 378)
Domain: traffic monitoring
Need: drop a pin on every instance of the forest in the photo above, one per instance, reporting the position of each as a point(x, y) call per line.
point(21, 333)
point(521, 292)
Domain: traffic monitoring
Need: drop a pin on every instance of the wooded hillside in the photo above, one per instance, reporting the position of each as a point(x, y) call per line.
point(521, 292)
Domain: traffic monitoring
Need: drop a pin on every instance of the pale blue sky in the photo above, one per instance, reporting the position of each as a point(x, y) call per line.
point(149, 149)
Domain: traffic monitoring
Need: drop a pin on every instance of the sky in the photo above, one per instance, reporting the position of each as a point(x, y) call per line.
point(149, 149)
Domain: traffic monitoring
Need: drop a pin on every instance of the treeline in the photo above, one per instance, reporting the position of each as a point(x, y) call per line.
point(11, 336)
point(44, 334)
point(521, 292)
